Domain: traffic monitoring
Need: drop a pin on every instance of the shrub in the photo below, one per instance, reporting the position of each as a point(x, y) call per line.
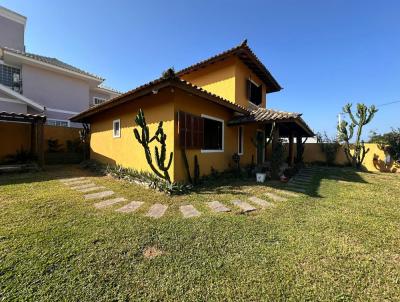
point(329, 146)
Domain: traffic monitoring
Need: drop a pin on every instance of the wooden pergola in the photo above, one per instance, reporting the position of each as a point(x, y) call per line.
point(287, 125)
point(36, 122)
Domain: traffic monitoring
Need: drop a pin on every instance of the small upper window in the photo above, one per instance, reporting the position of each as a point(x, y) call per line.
point(58, 123)
point(254, 92)
point(117, 128)
point(98, 101)
point(240, 140)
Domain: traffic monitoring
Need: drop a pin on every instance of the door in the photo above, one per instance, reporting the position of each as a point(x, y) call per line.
point(260, 147)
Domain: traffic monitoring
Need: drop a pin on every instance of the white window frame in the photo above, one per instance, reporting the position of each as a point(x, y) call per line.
point(119, 129)
point(59, 120)
point(240, 142)
point(103, 100)
point(223, 135)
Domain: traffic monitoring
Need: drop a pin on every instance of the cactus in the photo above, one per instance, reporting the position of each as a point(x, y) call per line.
point(160, 154)
point(196, 170)
point(346, 133)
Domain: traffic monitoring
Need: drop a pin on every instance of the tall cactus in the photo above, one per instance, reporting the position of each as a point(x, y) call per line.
point(346, 132)
point(160, 154)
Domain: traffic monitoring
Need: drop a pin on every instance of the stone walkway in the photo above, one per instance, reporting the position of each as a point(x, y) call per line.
point(105, 198)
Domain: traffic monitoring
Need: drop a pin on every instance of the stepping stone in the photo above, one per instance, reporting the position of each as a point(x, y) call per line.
point(275, 197)
point(108, 202)
point(91, 189)
point(261, 202)
point(189, 211)
point(130, 207)
point(89, 185)
point(78, 183)
point(157, 210)
point(244, 206)
point(65, 180)
point(299, 182)
point(99, 195)
point(216, 206)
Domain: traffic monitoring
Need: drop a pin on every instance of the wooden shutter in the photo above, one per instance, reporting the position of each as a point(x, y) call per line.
point(191, 130)
point(182, 128)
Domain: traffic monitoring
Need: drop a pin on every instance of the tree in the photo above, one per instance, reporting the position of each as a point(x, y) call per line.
point(391, 139)
point(355, 152)
point(329, 146)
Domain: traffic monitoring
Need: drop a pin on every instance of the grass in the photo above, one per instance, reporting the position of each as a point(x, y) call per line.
point(339, 243)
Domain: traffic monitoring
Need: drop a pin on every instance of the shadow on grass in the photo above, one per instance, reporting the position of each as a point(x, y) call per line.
point(48, 173)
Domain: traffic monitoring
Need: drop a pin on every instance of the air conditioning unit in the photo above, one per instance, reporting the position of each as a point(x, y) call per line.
point(16, 78)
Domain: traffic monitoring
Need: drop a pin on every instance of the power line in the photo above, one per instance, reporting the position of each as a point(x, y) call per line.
point(390, 103)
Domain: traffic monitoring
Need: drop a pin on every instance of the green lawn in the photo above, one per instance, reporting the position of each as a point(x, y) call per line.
point(341, 242)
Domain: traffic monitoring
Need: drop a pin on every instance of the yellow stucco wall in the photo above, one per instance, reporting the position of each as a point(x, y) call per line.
point(313, 153)
point(14, 136)
point(126, 150)
point(217, 160)
point(242, 73)
point(226, 79)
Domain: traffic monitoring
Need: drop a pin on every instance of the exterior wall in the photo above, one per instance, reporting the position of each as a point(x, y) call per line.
point(12, 107)
point(18, 135)
point(126, 150)
point(218, 78)
point(227, 79)
point(14, 136)
point(216, 160)
point(54, 90)
point(313, 153)
point(11, 34)
point(62, 134)
point(93, 94)
point(242, 74)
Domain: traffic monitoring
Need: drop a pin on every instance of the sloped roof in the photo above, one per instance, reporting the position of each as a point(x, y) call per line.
point(52, 61)
point(167, 81)
point(264, 115)
point(21, 98)
point(244, 53)
point(21, 117)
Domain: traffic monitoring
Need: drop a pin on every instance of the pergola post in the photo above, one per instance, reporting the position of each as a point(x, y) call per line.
point(40, 142)
point(275, 136)
point(299, 147)
point(291, 154)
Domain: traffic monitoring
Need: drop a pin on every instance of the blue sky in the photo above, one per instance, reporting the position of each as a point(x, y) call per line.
point(324, 53)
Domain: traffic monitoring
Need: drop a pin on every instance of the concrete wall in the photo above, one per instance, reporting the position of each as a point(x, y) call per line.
point(54, 90)
point(11, 34)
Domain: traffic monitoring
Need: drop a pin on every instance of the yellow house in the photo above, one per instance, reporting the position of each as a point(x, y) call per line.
point(213, 109)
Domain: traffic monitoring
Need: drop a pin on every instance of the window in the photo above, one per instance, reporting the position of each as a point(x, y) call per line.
point(98, 101)
point(240, 140)
point(254, 92)
point(213, 134)
point(117, 128)
point(200, 132)
point(10, 77)
point(58, 123)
